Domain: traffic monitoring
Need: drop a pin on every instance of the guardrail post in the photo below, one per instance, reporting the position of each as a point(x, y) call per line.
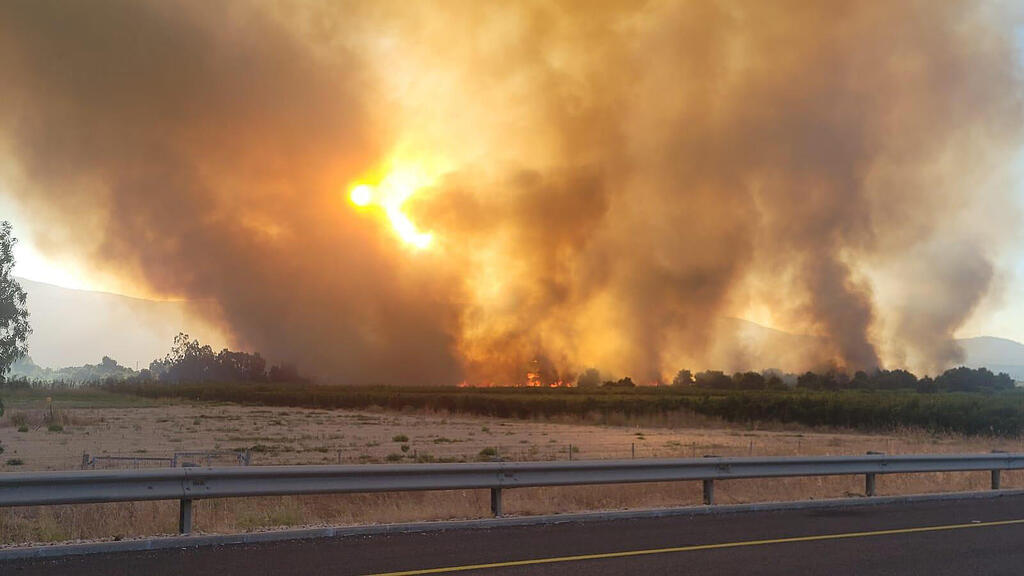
point(709, 486)
point(496, 501)
point(185, 517)
point(869, 478)
point(996, 476)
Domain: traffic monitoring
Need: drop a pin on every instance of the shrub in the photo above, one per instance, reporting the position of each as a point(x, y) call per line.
point(15, 462)
point(55, 428)
point(22, 428)
point(400, 438)
point(394, 457)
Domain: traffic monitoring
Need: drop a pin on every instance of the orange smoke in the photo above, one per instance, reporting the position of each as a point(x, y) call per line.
point(354, 188)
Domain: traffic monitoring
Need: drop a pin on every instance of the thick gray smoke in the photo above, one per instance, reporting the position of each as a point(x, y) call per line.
point(616, 177)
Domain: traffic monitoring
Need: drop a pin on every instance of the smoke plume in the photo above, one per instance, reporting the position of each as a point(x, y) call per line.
point(601, 182)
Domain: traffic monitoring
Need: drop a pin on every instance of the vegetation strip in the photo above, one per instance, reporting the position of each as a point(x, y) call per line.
point(972, 413)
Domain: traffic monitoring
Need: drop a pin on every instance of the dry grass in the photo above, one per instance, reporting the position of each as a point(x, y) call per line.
point(298, 436)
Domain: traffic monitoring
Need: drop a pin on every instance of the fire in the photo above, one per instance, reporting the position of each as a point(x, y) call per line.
point(390, 193)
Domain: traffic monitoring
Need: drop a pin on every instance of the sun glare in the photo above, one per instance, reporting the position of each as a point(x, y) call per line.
point(390, 194)
point(361, 195)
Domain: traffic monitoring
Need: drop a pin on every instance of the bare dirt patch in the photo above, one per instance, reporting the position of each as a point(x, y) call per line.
point(302, 436)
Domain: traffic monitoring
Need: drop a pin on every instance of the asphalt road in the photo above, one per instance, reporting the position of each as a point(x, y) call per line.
point(935, 538)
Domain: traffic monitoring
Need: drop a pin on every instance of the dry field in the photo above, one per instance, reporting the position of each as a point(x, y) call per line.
point(301, 436)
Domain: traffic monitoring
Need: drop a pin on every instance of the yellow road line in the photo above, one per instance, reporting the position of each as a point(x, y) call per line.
point(698, 547)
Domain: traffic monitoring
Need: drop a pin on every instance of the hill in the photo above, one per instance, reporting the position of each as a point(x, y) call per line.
point(78, 327)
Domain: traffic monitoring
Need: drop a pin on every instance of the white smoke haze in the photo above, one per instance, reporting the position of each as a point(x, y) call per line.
point(556, 186)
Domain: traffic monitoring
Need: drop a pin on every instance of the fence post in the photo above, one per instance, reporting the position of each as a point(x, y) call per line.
point(496, 502)
point(632, 450)
point(185, 517)
point(570, 452)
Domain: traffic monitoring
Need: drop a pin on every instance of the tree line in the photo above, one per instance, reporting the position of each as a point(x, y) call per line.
point(191, 361)
point(960, 379)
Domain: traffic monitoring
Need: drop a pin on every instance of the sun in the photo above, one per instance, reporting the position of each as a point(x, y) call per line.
point(390, 193)
point(361, 195)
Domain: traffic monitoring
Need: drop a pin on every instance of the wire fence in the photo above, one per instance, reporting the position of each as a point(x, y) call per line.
point(447, 451)
point(178, 459)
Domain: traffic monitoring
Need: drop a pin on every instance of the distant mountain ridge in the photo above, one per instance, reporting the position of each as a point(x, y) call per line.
point(79, 327)
point(996, 354)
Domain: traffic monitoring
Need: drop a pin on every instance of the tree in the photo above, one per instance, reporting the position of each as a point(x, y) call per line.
point(14, 326)
point(748, 381)
point(713, 379)
point(683, 378)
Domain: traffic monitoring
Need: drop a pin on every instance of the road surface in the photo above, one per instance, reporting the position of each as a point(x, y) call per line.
point(934, 538)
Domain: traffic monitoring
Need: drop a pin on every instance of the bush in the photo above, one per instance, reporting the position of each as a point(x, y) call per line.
point(22, 428)
point(400, 438)
point(55, 428)
point(395, 457)
point(15, 462)
point(489, 451)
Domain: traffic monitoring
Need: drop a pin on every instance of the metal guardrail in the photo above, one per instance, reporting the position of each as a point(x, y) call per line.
point(188, 484)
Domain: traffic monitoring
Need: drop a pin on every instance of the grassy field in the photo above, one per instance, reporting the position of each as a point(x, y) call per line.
point(71, 397)
point(992, 414)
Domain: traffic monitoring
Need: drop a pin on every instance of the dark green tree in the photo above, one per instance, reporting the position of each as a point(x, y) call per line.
point(14, 327)
point(683, 378)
